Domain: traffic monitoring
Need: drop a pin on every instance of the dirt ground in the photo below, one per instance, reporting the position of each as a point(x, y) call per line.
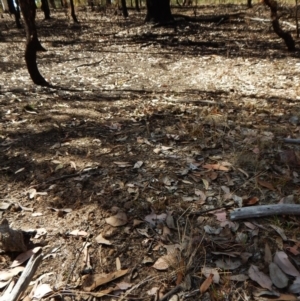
point(144, 132)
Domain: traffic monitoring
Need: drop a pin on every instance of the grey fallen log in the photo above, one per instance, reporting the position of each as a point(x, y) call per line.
point(265, 210)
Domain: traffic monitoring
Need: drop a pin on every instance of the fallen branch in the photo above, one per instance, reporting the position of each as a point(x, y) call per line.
point(25, 278)
point(212, 19)
point(268, 21)
point(265, 210)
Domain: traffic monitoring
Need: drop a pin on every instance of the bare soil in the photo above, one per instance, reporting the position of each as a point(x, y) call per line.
point(143, 119)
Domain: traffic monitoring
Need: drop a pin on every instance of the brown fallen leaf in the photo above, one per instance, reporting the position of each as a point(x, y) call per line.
point(101, 240)
point(120, 219)
point(206, 284)
point(180, 272)
point(92, 281)
point(165, 261)
point(268, 254)
point(266, 185)
point(250, 201)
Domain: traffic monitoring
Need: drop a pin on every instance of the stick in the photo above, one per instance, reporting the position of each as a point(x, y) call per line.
point(265, 210)
point(25, 278)
point(290, 140)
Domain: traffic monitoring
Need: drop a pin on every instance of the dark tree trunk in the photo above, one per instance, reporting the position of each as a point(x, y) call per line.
point(158, 11)
point(137, 7)
point(286, 36)
point(15, 11)
point(73, 11)
point(45, 8)
point(249, 3)
point(124, 8)
point(108, 2)
point(91, 4)
point(32, 43)
point(52, 4)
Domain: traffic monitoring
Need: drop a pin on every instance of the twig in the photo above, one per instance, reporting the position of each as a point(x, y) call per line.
point(93, 171)
point(75, 263)
point(25, 278)
point(90, 64)
point(265, 210)
point(173, 291)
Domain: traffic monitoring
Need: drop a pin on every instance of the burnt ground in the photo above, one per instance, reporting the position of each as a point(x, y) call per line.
point(154, 128)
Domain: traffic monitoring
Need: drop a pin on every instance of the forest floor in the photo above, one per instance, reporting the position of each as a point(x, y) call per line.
point(126, 169)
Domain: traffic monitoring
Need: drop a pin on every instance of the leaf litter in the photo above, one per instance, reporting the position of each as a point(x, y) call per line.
point(159, 156)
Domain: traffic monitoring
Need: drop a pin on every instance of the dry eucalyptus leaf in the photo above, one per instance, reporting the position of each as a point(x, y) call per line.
point(170, 220)
point(24, 256)
point(282, 260)
point(164, 262)
point(154, 219)
point(207, 271)
point(206, 284)
point(278, 278)
point(137, 222)
point(138, 164)
point(101, 240)
point(6, 275)
point(118, 264)
point(31, 193)
point(295, 287)
point(124, 285)
point(4, 206)
point(93, 281)
point(268, 254)
point(262, 279)
point(228, 264)
point(239, 277)
point(78, 233)
point(120, 219)
point(41, 291)
point(280, 232)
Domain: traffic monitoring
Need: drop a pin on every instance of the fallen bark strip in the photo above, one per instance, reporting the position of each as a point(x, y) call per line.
point(25, 278)
point(290, 140)
point(265, 210)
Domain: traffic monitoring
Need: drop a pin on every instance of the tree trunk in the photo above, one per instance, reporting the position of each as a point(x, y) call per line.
point(52, 4)
point(286, 36)
point(124, 8)
point(73, 11)
point(159, 11)
point(108, 2)
point(15, 10)
point(45, 8)
point(32, 43)
point(137, 7)
point(249, 3)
